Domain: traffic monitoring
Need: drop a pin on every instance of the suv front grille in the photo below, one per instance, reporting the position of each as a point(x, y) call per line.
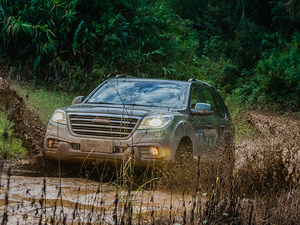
point(102, 125)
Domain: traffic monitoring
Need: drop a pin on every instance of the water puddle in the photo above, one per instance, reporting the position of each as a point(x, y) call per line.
point(75, 200)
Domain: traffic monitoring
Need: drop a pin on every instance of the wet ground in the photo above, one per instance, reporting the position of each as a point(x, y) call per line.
point(33, 199)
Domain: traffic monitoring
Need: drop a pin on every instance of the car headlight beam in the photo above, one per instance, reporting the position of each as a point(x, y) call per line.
point(155, 122)
point(59, 116)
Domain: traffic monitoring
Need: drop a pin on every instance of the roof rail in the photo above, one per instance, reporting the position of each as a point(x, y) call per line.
point(193, 79)
point(124, 76)
point(113, 75)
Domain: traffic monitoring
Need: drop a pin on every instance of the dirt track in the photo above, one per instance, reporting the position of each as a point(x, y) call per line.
point(274, 153)
point(78, 200)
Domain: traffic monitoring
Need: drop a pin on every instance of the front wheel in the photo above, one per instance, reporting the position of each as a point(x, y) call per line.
point(184, 151)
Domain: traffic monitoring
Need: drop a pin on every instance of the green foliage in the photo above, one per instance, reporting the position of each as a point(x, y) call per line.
point(235, 45)
point(218, 72)
point(9, 145)
point(286, 15)
point(66, 41)
point(276, 78)
point(248, 50)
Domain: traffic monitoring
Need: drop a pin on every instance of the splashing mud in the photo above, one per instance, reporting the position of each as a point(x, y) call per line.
point(273, 156)
point(27, 123)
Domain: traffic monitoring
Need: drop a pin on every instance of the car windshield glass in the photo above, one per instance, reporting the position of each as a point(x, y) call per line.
point(145, 93)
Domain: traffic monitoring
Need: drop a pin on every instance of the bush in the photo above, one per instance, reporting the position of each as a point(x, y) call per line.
point(11, 148)
point(67, 41)
point(276, 78)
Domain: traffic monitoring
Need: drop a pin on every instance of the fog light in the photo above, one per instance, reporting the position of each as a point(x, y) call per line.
point(75, 146)
point(50, 143)
point(153, 151)
point(159, 134)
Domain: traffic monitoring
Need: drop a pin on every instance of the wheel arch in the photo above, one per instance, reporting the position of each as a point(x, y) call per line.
point(183, 135)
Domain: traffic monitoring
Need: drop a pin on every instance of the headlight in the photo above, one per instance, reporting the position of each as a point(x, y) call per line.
point(155, 122)
point(59, 116)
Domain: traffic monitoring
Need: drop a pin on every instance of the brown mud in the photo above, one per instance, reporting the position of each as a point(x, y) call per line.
point(272, 156)
point(77, 200)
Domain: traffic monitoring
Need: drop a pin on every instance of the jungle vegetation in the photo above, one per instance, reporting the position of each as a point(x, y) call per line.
point(248, 49)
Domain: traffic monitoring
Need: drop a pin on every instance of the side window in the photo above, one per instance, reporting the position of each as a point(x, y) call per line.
point(221, 106)
point(196, 96)
point(209, 99)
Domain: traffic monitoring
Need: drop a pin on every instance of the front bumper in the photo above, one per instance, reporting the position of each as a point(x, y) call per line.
point(65, 152)
point(136, 147)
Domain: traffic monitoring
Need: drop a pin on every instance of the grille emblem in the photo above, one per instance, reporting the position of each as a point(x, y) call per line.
point(97, 120)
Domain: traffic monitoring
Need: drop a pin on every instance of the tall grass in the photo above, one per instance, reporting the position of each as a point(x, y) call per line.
point(10, 147)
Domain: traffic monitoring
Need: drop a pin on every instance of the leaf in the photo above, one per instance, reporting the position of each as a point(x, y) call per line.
point(37, 62)
point(75, 44)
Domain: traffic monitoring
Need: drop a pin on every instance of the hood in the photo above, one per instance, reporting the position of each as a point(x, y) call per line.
point(140, 111)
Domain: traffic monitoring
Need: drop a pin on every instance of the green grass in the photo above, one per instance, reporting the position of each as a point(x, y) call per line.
point(13, 146)
point(243, 130)
point(41, 100)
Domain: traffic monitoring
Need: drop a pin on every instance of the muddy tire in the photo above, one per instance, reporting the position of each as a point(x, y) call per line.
point(184, 151)
point(181, 172)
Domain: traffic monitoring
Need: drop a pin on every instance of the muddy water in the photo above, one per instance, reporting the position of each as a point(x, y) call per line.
point(76, 200)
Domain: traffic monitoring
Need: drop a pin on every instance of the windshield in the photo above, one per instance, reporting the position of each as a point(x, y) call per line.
point(144, 93)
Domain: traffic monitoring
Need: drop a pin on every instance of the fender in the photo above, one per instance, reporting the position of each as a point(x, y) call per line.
point(183, 129)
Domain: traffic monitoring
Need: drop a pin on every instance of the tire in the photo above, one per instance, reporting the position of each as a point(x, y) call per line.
point(184, 150)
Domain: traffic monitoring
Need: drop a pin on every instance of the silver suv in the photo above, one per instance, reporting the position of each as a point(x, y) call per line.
point(148, 120)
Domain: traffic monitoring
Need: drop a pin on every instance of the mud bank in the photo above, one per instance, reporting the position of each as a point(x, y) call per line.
point(27, 124)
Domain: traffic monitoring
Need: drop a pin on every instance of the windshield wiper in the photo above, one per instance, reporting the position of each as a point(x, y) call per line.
point(133, 104)
point(102, 103)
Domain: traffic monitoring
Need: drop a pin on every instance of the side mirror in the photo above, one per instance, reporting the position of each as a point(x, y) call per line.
point(202, 109)
point(78, 100)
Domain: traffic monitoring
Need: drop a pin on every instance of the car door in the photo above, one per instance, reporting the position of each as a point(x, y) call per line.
point(205, 127)
point(223, 117)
